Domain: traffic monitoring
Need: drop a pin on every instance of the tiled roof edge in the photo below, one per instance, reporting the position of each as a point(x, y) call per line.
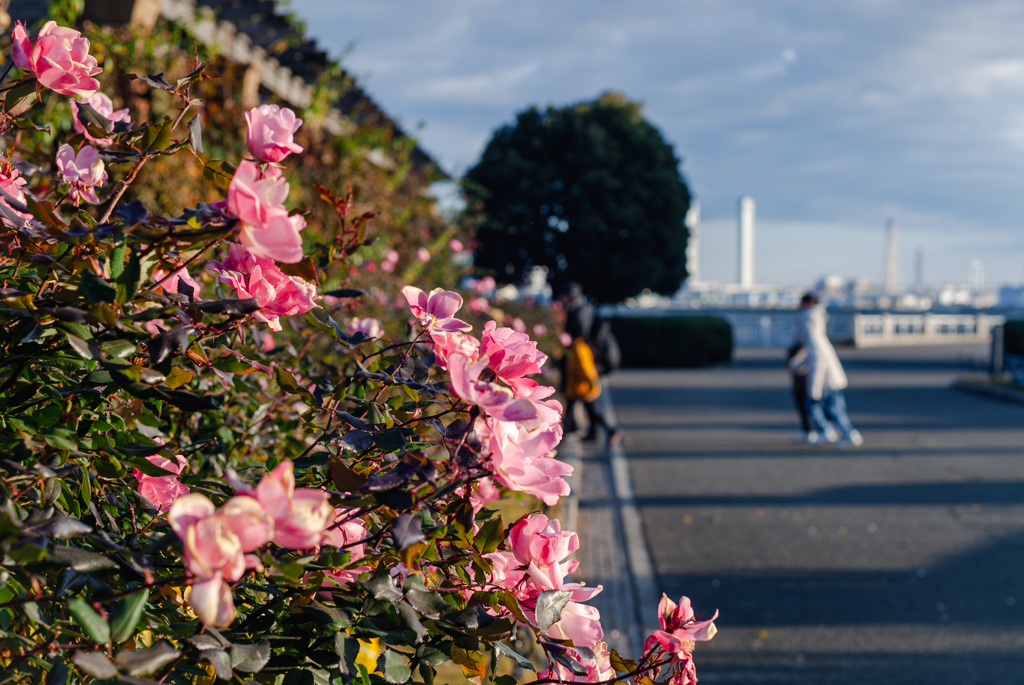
point(236, 46)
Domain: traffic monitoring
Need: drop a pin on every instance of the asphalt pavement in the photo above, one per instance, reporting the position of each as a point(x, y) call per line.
point(901, 561)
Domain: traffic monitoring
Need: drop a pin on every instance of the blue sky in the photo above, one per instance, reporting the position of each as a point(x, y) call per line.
point(834, 116)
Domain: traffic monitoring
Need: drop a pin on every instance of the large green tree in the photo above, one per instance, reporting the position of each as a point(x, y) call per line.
point(591, 191)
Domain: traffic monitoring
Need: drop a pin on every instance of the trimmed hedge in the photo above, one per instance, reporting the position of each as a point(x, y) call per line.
point(1013, 337)
point(673, 341)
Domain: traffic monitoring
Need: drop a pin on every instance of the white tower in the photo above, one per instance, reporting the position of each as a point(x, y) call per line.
point(890, 256)
point(976, 274)
point(746, 254)
point(692, 222)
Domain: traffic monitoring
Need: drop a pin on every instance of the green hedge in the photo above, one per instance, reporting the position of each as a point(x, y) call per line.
point(673, 341)
point(1013, 337)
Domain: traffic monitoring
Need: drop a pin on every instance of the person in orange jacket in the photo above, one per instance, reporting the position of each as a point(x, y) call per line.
point(580, 379)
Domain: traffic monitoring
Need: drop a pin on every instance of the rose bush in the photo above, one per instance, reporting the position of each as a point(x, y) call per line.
point(232, 485)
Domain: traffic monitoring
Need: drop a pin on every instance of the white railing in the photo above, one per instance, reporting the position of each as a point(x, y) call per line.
point(779, 328)
point(878, 330)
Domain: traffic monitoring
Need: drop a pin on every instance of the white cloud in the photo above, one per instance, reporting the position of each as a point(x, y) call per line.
point(833, 115)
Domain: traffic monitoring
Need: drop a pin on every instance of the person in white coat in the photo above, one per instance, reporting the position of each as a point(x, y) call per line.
point(826, 379)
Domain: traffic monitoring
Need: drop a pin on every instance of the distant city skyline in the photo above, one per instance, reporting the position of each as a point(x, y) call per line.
point(834, 117)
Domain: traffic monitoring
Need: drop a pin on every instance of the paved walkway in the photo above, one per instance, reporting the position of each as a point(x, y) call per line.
point(898, 562)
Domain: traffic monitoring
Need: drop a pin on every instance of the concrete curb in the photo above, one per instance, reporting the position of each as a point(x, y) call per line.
point(989, 390)
point(643, 579)
point(570, 453)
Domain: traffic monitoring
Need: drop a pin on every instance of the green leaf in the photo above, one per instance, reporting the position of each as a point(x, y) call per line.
point(28, 553)
point(81, 559)
point(117, 260)
point(235, 307)
point(85, 349)
point(427, 602)
point(46, 212)
point(85, 490)
point(118, 348)
point(177, 378)
point(250, 658)
point(549, 607)
point(220, 660)
point(195, 133)
point(287, 381)
point(95, 290)
point(128, 281)
point(382, 587)
point(156, 138)
point(109, 467)
point(620, 664)
point(126, 616)
point(94, 626)
point(395, 668)
point(391, 440)
point(304, 269)
point(147, 467)
point(61, 441)
point(146, 661)
point(514, 655)
point(474, 664)
point(96, 664)
point(219, 172)
point(20, 99)
point(491, 534)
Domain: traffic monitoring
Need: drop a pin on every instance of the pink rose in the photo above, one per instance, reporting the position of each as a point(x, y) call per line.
point(511, 354)
point(493, 399)
point(371, 328)
point(519, 458)
point(435, 311)
point(104, 106)
point(11, 183)
point(537, 539)
point(423, 254)
point(270, 131)
point(212, 602)
point(81, 172)
point(345, 536)
point(479, 305)
point(680, 628)
point(390, 260)
point(266, 229)
point(485, 285)
point(579, 623)
point(301, 516)
point(447, 344)
point(505, 571)
point(162, 491)
point(59, 59)
point(249, 521)
point(215, 542)
point(455, 245)
point(277, 293)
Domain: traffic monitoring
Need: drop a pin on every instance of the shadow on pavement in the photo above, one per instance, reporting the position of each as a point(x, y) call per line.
point(982, 587)
point(999, 492)
point(853, 668)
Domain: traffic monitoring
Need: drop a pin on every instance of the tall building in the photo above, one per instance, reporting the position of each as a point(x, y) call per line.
point(919, 266)
point(746, 252)
point(890, 256)
point(692, 222)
